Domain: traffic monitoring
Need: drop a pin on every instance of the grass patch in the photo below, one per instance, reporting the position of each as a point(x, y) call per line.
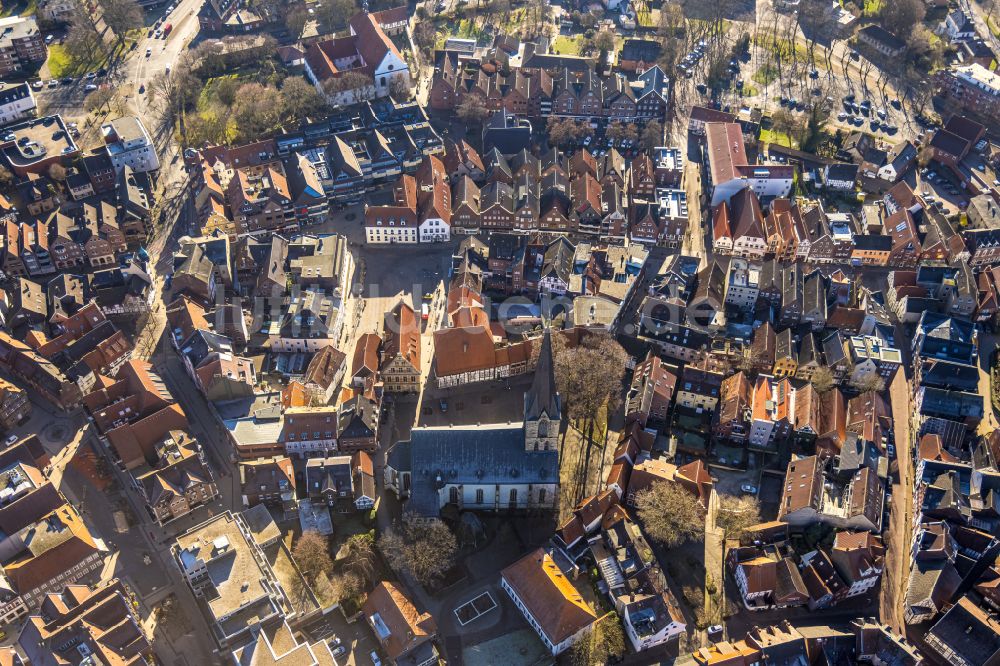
point(18, 8)
point(994, 26)
point(872, 7)
point(780, 138)
point(765, 74)
point(782, 47)
point(566, 45)
point(61, 64)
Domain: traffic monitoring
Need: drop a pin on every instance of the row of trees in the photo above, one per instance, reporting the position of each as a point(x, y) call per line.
point(672, 515)
point(425, 548)
point(241, 109)
point(567, 132)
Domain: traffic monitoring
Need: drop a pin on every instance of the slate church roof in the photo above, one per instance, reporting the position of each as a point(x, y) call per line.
point(473, 454)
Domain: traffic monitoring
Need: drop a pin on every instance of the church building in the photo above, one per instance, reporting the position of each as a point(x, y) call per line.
point(489, 467)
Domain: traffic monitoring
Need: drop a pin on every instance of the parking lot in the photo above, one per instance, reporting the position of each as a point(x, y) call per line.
point(858, 113)
point(733, 482)
point(356, 638)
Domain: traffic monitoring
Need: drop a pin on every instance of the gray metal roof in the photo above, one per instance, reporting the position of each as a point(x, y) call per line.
point(475, 454)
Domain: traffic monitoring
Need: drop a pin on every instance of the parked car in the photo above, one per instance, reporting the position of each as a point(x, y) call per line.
point(149, 52)
point(443, 404)
point(375, 660)
point(10, 440)
point(340, 651)
point(891, 450)
point(749, 488)
point(715, 630)
point(90, 87)
point(37, 85)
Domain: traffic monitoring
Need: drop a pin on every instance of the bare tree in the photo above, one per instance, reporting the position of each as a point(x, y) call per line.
point(256, 110)
point(57, 172)
point(563, 132)
point(670, 513)
point(312, 555)
point(868, 382)
point(352, 87)
point(597, 355)
point(300, 100)
point(472, 109)
point(399, 89)
point(652, 135)
point(360, 557)
point(121, 16)
point(334, 14)
point(295, 22)
point(424, 547)
point(901, 16)
point(736, 514)
point(603, 643)
point(822, 380)
point(100, 98)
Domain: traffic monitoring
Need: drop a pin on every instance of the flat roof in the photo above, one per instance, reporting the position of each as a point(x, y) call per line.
point(236, 574)
point(36, 140)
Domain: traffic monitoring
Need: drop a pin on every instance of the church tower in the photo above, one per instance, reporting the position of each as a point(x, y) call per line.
point(542, 410)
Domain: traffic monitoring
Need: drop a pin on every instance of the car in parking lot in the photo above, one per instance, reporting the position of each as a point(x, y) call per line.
point(749, 488)
point(715, 630)
point(10, 440)
point(90, 87)
point(375, 660)
point(891, 450)
point(339, 651)
point(53, 83)
point(37, 85)
point(443, 404)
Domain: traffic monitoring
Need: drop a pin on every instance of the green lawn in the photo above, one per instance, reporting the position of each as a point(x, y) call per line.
point(565, 45)
point(780, 138)
point(12, 8)
point(765, 74)
point(872, 7)
point(60, 63)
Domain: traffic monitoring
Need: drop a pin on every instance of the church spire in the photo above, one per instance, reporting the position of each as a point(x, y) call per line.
point(542, 397)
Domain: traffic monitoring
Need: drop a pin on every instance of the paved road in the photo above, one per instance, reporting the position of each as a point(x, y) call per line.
point(897, 534)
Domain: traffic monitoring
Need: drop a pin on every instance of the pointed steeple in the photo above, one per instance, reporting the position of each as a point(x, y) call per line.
point(542, 397)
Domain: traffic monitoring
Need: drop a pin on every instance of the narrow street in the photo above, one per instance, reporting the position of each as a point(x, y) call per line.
point(897, 536)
